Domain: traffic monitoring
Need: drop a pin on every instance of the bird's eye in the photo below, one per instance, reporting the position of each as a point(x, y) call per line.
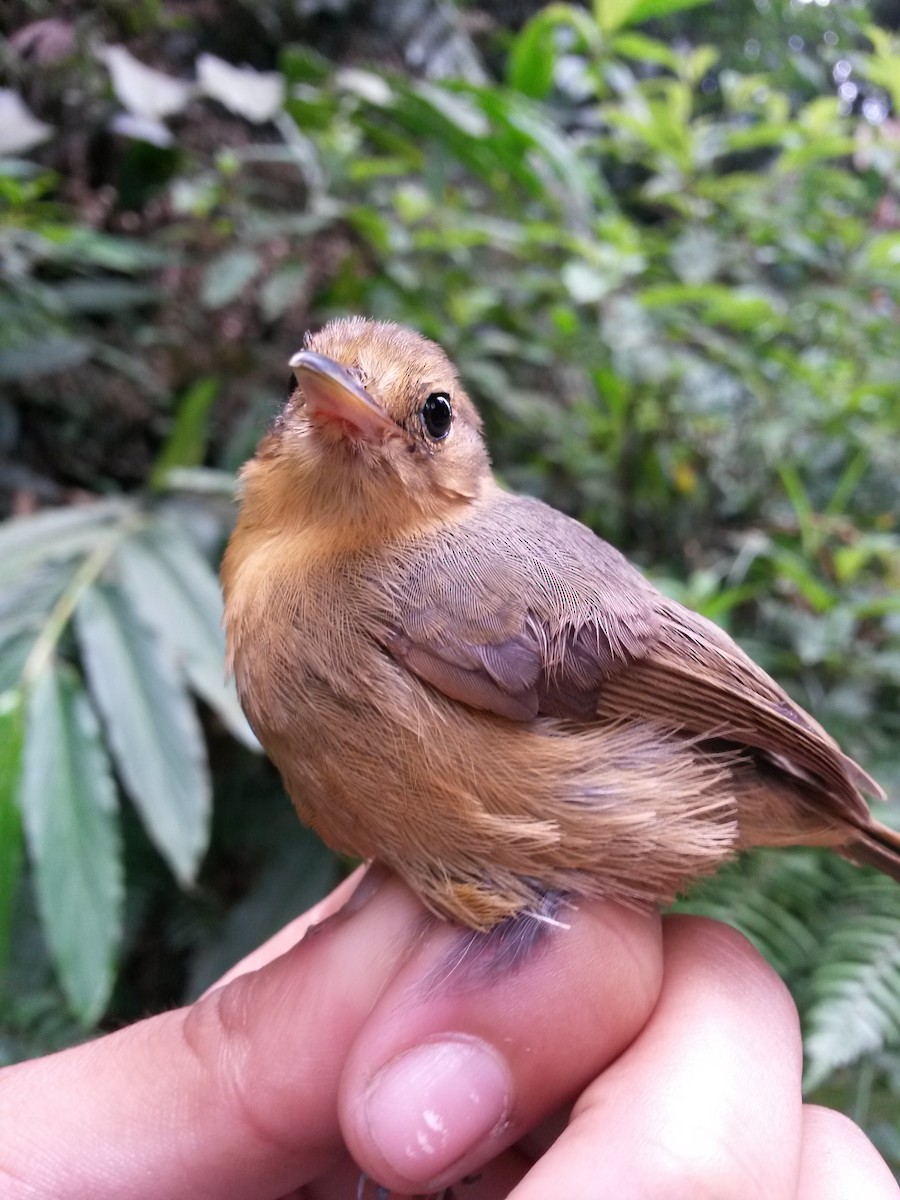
point(437, 416)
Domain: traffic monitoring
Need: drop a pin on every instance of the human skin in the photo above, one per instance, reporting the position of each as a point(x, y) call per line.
point(667, 1052)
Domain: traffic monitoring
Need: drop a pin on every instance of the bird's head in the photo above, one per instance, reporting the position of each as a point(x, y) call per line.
point(378, 435)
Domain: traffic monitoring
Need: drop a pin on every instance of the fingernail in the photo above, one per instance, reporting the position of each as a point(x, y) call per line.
point(431, 1105)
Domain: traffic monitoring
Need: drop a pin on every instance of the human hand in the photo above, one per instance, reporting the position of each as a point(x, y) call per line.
point(372, 1041)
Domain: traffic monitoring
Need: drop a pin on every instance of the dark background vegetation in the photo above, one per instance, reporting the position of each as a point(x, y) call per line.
point(662, 241)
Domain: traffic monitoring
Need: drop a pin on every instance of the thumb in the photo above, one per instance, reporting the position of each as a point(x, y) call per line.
point(234, 1096)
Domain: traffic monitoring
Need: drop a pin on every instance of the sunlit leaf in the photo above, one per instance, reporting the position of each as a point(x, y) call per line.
point(20, 130)
point(611, 15)
point(68, 803)
point(455, 108)
point(255, 95)
point(645, 49)
point(151, 725)
point(649, 10)
point(143, 90)
point(532, 57)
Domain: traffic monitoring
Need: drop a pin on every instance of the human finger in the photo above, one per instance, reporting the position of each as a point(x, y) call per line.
point(474, 1042)
point(358, 885)
point(706, 1101)
point(838, 1160)
point(235, 1096)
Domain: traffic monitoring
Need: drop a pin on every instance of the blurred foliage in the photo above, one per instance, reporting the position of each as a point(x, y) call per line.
point(662, 242)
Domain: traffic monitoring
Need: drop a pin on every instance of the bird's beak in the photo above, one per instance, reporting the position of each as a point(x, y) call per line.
point(333, 395)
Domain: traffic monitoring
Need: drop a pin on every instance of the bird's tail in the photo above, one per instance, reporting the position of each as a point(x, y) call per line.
point(876, 846)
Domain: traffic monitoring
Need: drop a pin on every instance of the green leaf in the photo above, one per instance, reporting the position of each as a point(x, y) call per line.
point(282, 290)
point(43, 356)
point(227, 276)
point(11, 731)
point(56, 534)
point(645, 49)
point(856, 983)
point(648, 10)
point(151, 725)
point(527, 122)
point(103, 295)
point(68, 803)
point(186, 444)
point(611, 15)
point(455, 108)
point(171, 585)
point(302, 64)
point(78, 245)
point(800, 502)
point(532, 57)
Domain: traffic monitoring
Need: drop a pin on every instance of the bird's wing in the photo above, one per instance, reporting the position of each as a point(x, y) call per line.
point(524, 612)
point(519, 610)
point(698, 679)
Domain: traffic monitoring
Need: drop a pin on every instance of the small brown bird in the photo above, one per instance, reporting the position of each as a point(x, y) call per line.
point(475, 689)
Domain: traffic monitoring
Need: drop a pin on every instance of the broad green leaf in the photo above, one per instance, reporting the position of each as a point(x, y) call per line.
point(26, 602)
point(151, 725)
point(11, 729)
point(648, 10)
point(56, 534)
point(455, 107)
point(738, 308)
point(170, 584)
point(301, 64)
point(68, 802)
point(202, 481)
point(611, 15)
point(282, 290)
point(103, 295)
point(43, 356)
point(186, 444)
point(645, 49)
point(227, 276)
point(14, 651)
point(79, 245)
point(532, 57)
point(528, 123)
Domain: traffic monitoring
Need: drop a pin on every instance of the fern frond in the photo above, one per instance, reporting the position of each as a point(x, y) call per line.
point(771, 897)
point(855, 987)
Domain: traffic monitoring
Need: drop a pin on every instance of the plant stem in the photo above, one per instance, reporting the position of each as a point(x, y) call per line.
point(88, 571)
